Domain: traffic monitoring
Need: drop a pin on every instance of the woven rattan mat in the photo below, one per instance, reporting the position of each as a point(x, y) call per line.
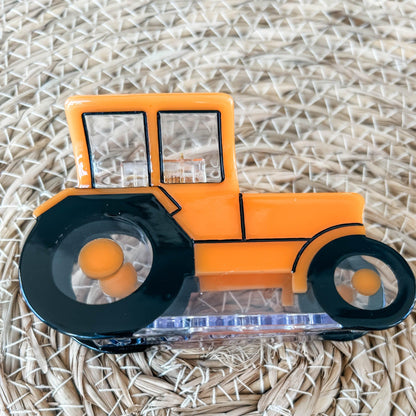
point(325, 98)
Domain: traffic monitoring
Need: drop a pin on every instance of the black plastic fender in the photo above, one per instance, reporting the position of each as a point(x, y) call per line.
point(47, 259)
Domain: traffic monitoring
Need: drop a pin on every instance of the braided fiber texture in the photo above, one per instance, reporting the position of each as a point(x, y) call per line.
point(325, 93)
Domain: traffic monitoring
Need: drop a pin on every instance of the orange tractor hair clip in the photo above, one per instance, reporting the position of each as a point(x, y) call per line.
point(157, 244)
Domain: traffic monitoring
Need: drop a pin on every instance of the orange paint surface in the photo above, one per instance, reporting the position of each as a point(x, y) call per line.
point(100, 258)
point(122, 283)
point(247, 265)
point(366, 282)
point(246, 257)
point(299, 215)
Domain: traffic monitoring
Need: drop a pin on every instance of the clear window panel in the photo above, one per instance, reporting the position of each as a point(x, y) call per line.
point(118, 149)
point(190, 147)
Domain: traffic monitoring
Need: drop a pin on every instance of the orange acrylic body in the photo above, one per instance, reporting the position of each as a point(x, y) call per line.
point(157, 243)
point(241, 241)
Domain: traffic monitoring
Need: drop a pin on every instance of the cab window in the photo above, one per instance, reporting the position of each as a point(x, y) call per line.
point(118, 149)
point(190, 145)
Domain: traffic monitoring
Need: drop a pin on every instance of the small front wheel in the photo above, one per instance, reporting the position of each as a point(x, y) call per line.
point(362, 283)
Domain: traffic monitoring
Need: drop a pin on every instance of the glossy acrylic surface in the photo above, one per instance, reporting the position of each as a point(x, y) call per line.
point(118, 149)
point(222, 264)
point(222, 316)
point(190, 147)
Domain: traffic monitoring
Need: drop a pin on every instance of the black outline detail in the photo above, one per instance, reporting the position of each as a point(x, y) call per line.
point(249, 240)
point(146, 142)
point(220, 149)
point(242, 220)
point(87, 140)
point(260, 240)
point(171, 199)
point(321, 278)
point(295, 263)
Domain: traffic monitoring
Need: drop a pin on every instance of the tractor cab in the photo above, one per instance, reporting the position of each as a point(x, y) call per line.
point(180, 143)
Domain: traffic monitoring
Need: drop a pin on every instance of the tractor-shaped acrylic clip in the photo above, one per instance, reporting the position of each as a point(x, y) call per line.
point(157, 244)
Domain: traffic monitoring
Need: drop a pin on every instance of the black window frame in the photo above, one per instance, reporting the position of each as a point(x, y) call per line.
point(220, 150)
point(112, 113)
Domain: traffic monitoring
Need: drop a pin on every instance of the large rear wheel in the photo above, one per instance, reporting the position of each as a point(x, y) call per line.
point(156, 251)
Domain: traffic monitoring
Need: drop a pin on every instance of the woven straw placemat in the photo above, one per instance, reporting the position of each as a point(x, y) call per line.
point(325, 98)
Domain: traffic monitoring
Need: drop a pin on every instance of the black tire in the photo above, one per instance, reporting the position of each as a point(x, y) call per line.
point(342, 335)
point(321, 277)
point(46, 286)
point(112, 349)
